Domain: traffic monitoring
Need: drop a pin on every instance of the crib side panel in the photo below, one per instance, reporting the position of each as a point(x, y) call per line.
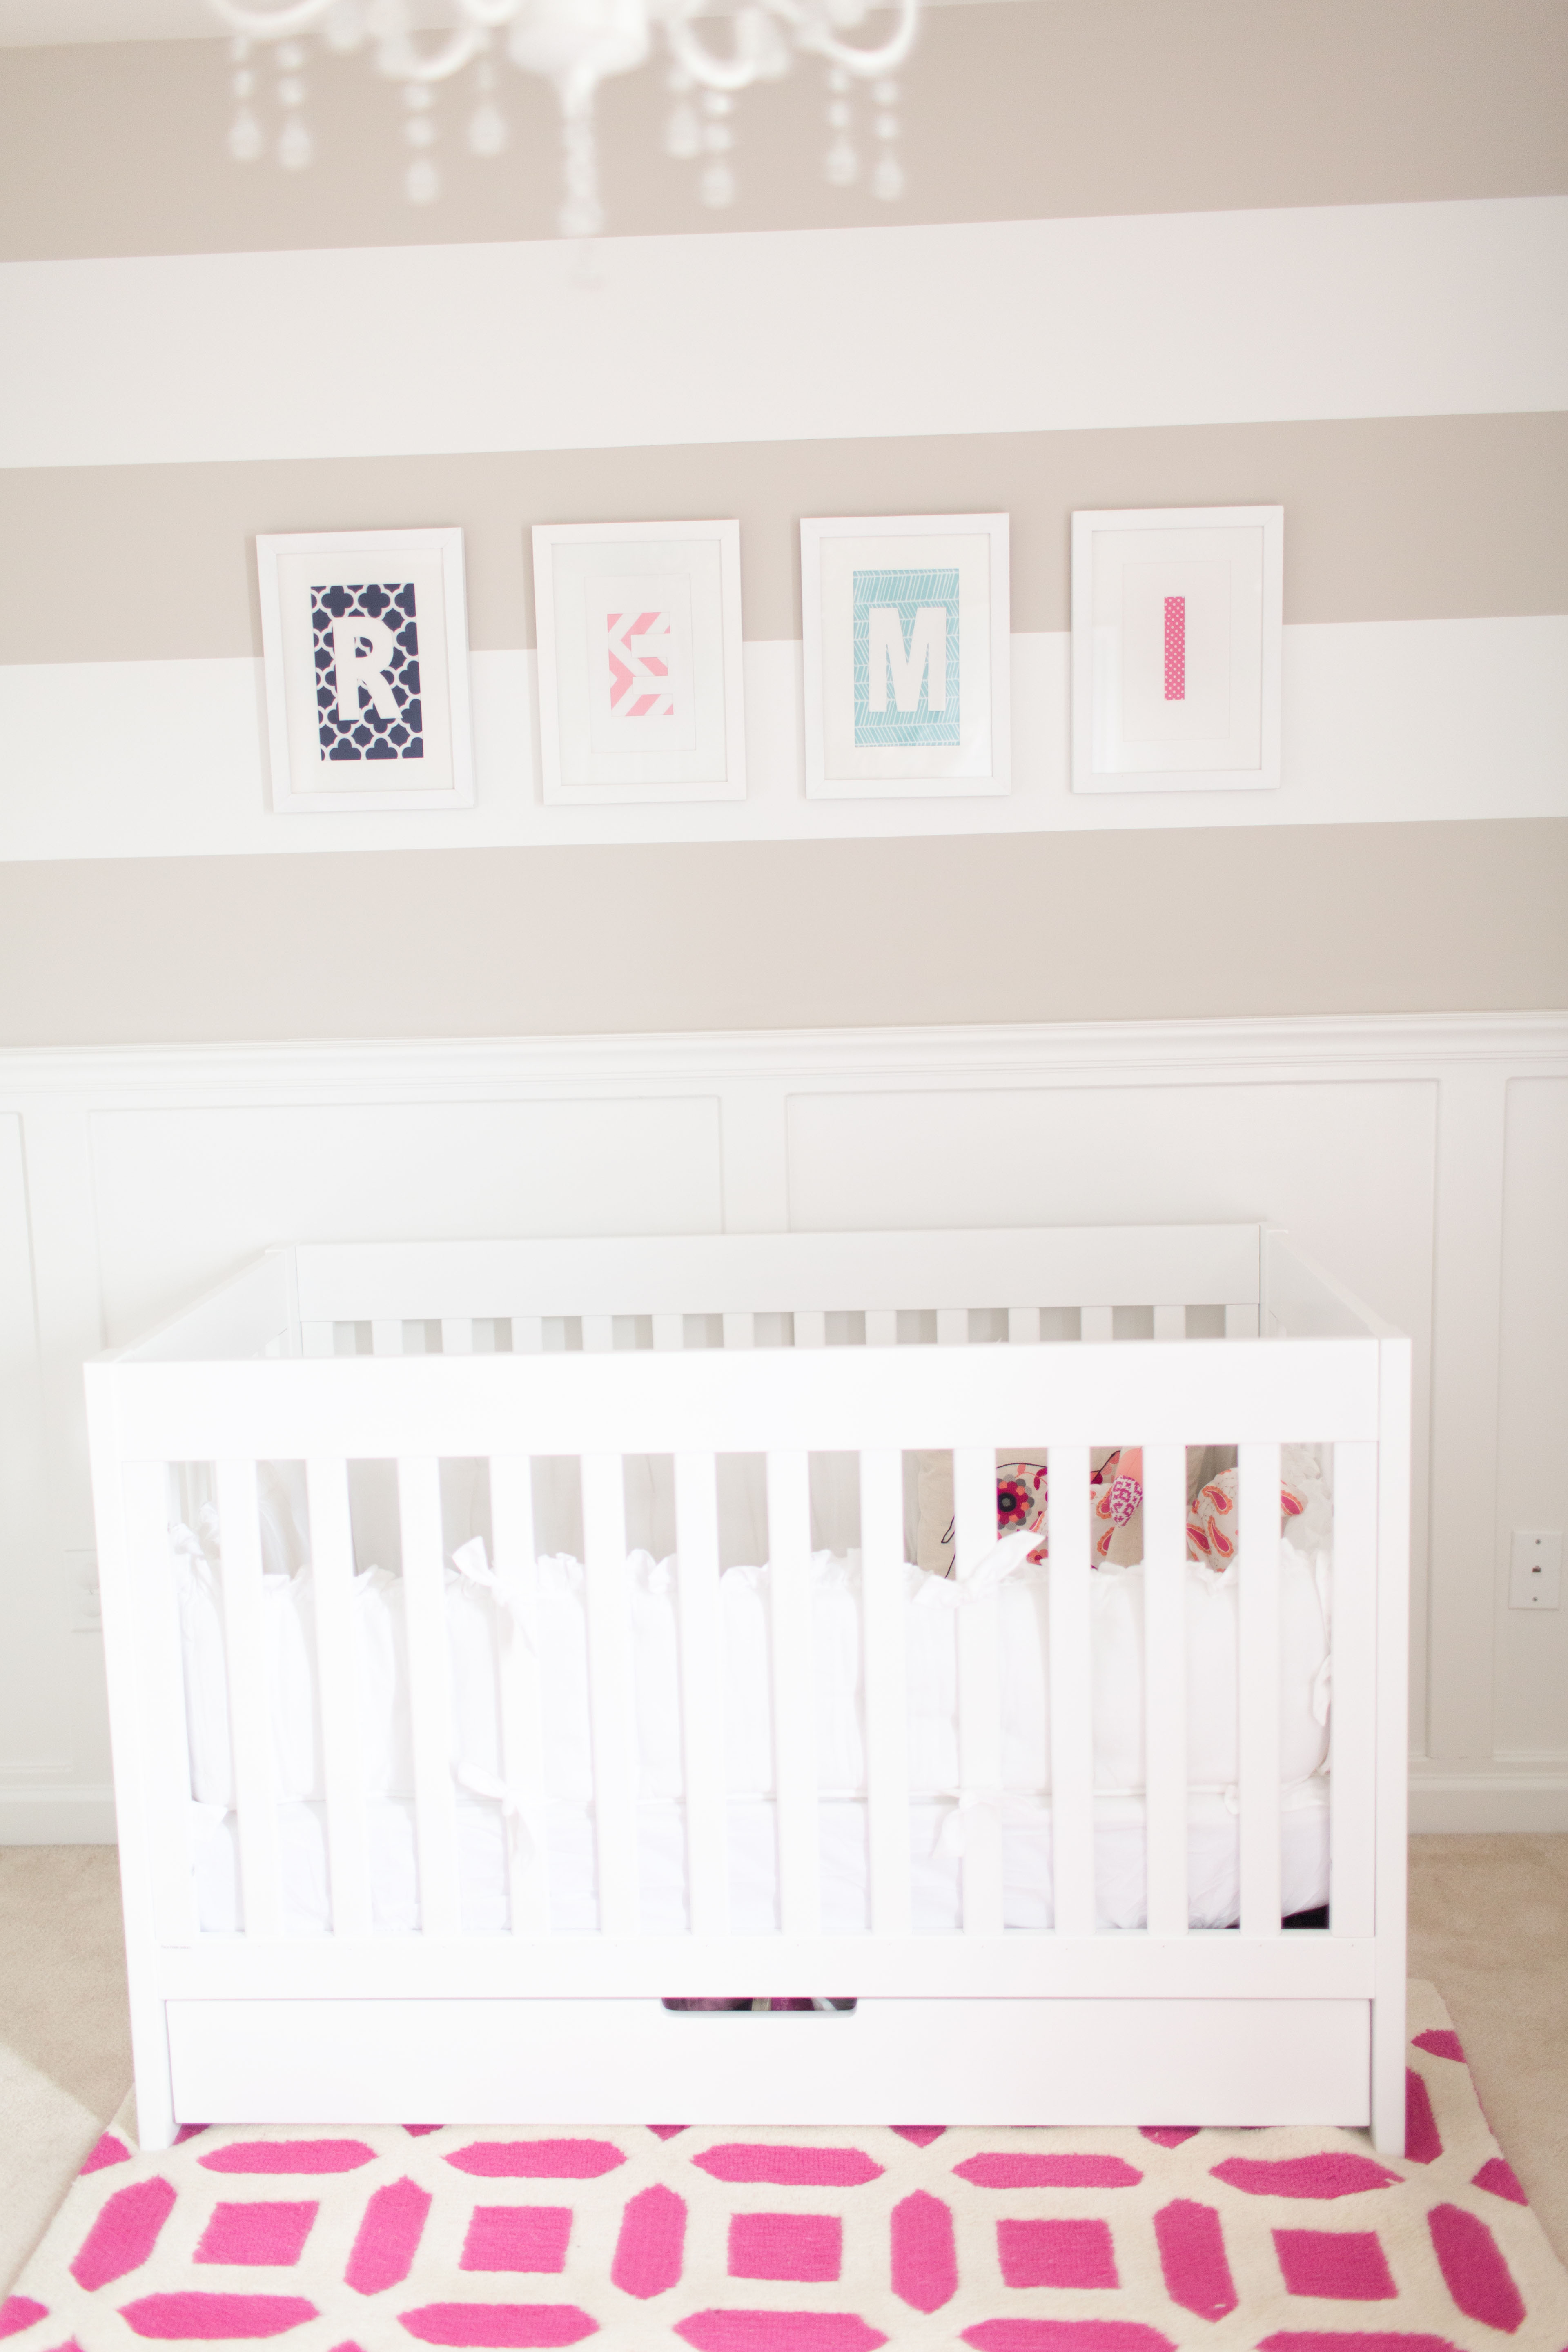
point(918, 1395)
point(147, 1715)
point(1353, 1718)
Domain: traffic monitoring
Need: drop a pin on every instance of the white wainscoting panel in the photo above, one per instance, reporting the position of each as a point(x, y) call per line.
point(185, 1195)
point(1425, 1160)
point(1532, 1409)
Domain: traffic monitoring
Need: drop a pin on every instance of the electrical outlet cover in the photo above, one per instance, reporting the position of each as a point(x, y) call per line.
point(1535, 1568)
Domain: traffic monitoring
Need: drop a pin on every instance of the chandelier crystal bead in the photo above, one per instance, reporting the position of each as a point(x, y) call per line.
point(577, 45)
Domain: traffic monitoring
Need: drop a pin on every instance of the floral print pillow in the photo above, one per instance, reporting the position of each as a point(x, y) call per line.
point(1117, 1506)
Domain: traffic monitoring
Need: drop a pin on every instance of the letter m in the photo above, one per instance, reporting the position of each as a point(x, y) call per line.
point(927, 652)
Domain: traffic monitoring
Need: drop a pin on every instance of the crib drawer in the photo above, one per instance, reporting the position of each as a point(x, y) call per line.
point(609, 2061)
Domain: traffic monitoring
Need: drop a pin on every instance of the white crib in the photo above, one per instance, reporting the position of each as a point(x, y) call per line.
point(1164, 1337)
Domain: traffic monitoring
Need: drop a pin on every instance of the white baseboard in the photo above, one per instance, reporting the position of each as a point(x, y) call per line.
point(1489, 1797)
point(57, 1813)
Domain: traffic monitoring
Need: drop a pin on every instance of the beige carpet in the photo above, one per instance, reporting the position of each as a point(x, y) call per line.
point(64, 2038)
point(1489, 1924)
point(1488, 1928)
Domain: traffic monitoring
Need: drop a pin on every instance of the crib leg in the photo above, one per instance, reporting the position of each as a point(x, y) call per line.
point(155, 2122)
point(1388, 2061)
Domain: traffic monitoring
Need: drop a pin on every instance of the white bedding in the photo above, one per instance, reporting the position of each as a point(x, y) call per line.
point(478, 1617)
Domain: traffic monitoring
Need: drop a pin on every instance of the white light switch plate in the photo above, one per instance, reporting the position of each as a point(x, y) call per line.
point(1535, 1573)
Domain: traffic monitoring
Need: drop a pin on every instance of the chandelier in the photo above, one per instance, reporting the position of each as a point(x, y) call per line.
point(575, 45)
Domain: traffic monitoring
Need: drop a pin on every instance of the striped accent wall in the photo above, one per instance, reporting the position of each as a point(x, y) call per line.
point(1130, 270)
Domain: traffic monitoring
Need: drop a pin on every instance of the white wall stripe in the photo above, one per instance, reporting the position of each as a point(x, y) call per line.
point(1352, 311)
point(1385, 721)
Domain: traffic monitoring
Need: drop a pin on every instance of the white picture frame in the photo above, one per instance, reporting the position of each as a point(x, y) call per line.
point(398, 732)
point(1177, 634)
point(875, 728)
point(630, 714)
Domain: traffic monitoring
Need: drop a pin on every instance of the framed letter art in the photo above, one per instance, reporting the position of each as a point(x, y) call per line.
point(1176, 637)
point(639, 661)
point(905, 620)
point(365, 636)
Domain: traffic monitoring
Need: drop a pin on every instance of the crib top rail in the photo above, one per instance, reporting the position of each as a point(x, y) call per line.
point(1262, 1284)
point(831, 1400)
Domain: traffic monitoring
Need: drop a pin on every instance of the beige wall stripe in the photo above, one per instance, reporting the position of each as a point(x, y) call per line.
point(1370, 919)
point(1019, 110)
point(1403, 519)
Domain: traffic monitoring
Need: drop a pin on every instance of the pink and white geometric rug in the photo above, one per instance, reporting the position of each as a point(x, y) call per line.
point(735, 2241)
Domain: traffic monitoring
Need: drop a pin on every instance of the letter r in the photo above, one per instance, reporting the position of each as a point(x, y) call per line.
point(362, 656)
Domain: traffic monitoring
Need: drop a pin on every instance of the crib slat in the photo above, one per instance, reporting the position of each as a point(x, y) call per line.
point(527, 1334)
point(1258, 1661)
point(887, 1699)
point(881, 1326)
point(1241, 1319)
point(1072, 1692)
point(810, 1328)
point(1170, 1322)
point(951, 1326)
point(429, 1693)
point(612, 1701)
point(1352, 1721)
point(670, 1330)
point(979, 1694)
point(317, 1339)
point(740, 1331)
point(1023, 1326)
point(598, 1334)
point(343, 1765)
point(523, 1762)
point(794, 1696)
point(1165, 1686)
point(702, 1693)
point(386, 1335)
point(457, 1335)
point(249, 1715)
point(1096, 1323)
